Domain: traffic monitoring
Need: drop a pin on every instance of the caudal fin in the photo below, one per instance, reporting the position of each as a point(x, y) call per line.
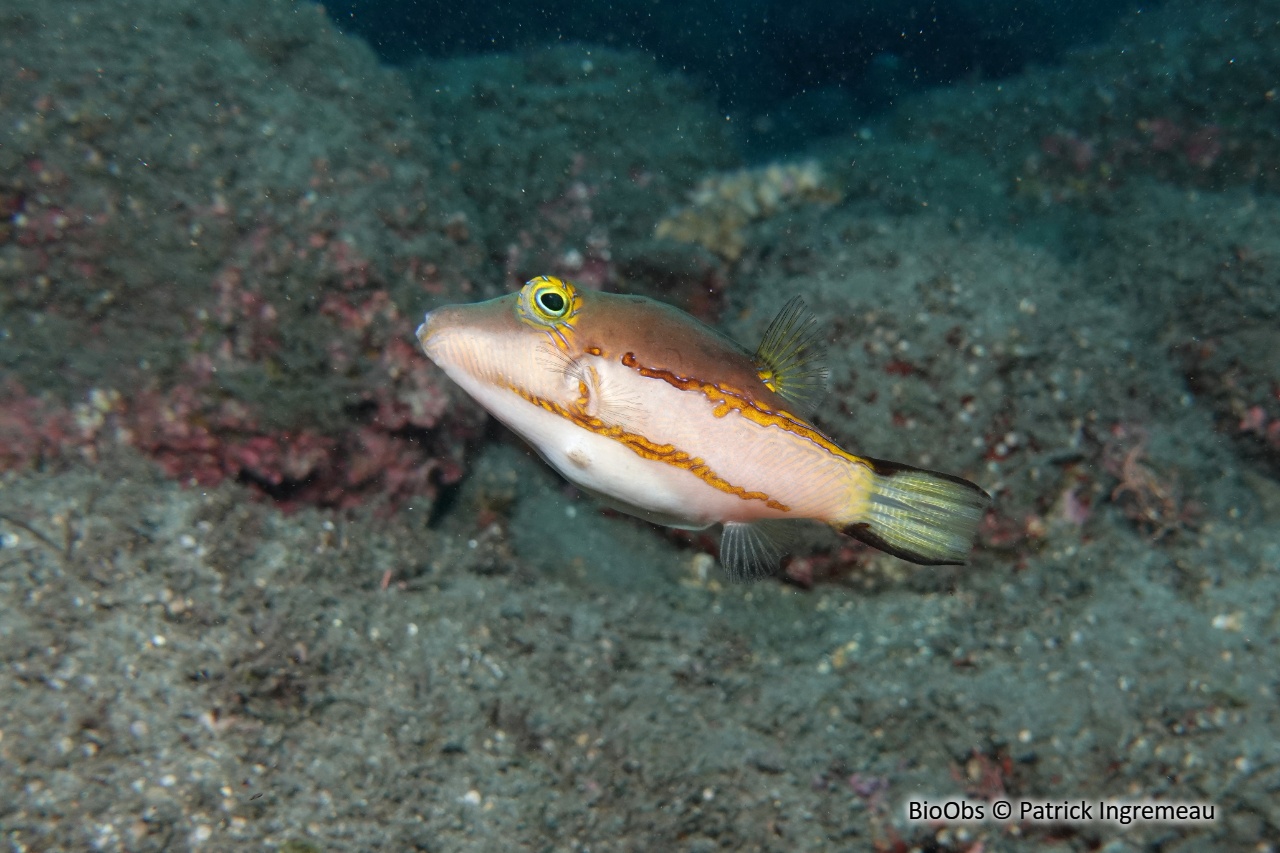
point(921, 516)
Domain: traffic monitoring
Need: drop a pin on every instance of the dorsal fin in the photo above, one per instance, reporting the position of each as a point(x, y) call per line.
point(789, 359)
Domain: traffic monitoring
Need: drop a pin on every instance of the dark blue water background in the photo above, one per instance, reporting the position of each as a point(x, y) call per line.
point(787, 71)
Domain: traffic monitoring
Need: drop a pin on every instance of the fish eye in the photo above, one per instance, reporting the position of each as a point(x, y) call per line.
point(546, 302)
point(551, 301)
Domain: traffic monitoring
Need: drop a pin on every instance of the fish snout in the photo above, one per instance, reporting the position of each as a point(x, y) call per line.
point(452, 335)
point(429, 332)
point(424, 330)
point(433, 323)
point(438, 333)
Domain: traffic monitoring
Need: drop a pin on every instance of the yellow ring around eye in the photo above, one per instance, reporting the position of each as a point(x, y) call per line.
point(548, 302)
point(551, 305)
point(551, 302)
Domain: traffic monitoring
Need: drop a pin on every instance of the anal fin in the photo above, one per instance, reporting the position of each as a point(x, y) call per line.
point(752, 551)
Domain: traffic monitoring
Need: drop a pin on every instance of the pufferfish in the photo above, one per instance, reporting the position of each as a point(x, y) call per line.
point(657, 415)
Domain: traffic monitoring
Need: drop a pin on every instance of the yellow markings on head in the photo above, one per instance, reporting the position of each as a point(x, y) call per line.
point(552, 305)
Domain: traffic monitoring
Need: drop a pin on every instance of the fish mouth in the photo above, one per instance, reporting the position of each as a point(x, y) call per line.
point(439, 326)
point(424, 330)
point(429, 333)
point(434, 324)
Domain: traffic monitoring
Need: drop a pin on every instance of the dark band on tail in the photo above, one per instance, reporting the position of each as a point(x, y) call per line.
point(863, 533)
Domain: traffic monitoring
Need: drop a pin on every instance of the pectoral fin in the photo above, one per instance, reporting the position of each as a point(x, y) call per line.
point(588, 392)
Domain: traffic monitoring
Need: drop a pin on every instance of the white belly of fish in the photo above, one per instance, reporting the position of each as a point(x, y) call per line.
point(607, 469)
point(618, 476)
